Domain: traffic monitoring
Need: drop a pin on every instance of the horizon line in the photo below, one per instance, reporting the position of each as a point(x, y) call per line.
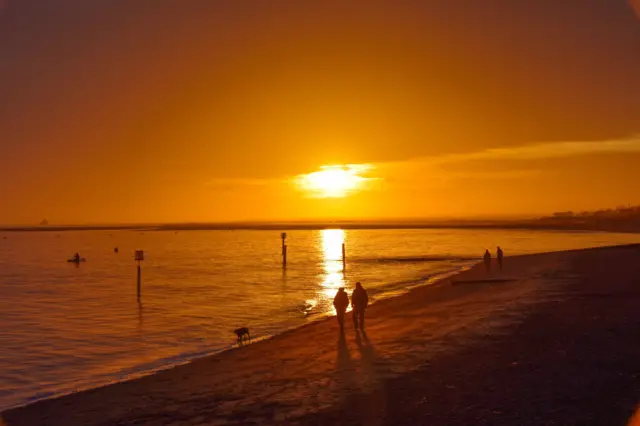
point(400, 220)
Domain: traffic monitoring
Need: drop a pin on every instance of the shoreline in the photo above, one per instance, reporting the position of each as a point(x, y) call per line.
point(437, 293)
point(434, 280)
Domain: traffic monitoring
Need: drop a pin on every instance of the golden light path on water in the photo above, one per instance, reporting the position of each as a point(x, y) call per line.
point(332, 240)
point(332, 276)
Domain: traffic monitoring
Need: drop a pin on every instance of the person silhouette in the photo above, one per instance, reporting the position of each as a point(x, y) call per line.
point(341, 303)
point(359, 302)
point(76, 257)
point(500, 256)
point(487, 261)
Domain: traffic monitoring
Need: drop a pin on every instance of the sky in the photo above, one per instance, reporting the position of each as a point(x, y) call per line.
point(203, 111)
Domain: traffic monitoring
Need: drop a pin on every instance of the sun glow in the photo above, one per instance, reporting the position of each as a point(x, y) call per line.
point(334, 181)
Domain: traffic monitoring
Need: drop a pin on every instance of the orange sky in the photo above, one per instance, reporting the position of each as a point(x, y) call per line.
point(159, 110)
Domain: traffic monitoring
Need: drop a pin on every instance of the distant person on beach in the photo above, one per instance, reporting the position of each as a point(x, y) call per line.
point(500, 256)
point(341, 303)
point(76, 257)
point(487, 261)
point(359, 302)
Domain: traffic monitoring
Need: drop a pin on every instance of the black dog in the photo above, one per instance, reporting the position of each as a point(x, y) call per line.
point(243, 334)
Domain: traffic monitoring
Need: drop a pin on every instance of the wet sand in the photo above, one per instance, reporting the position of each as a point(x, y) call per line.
point(553, 339)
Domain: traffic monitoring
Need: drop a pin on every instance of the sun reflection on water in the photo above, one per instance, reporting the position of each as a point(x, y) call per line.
point(333, 275)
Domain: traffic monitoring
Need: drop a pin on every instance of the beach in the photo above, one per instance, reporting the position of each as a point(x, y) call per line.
point(552, 339)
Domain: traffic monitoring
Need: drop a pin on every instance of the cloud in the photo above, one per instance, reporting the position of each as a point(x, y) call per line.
point(233, 184)
point(240, 181)
point(417, 176)
point(326, 182)
point(435, 171)
point(491, 175)
point(429, 170)
point(542, 151)
point(635, 4)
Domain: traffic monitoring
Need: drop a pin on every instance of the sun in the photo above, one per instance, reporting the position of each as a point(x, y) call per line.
point(334, 181)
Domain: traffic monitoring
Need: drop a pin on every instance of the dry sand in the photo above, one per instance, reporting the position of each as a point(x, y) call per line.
point(554, 341)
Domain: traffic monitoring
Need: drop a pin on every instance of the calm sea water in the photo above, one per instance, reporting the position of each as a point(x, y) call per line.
point(66, 327)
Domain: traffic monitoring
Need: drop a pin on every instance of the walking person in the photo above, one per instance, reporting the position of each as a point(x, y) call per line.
point(341, 303)
point(487, 261)
point(359, 303)
point(500, 256)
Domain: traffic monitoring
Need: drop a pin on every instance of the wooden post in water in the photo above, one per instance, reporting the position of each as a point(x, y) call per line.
point(284, 249)
point(139, 257)
point(284, 257)
point(344, 257)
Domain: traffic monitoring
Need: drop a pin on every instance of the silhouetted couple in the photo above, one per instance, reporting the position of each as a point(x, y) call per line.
point(487, 259)
point(359, 303)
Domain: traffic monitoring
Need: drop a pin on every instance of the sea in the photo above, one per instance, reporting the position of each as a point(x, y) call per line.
point(66, 327)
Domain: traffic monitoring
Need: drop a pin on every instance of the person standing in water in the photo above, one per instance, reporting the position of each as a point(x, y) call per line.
point(359, 302)
point(500, 256)
point(341, 303)
point(487, 261)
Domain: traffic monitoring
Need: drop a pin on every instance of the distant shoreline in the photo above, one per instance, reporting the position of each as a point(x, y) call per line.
point(533, 225)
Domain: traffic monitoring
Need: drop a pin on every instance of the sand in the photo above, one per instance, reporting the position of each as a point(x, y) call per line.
point(552, 339)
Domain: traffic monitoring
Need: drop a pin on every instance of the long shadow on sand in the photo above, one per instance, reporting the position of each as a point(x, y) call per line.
point(345, 371)
point(371, 402)
point(368, 353)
